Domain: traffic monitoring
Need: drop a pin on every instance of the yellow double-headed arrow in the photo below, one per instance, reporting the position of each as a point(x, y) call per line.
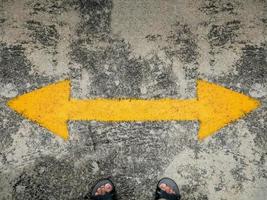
point(52, 107)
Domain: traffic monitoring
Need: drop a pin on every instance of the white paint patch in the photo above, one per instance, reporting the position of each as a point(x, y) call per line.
point(19, 153)
point(179, 73)
point(258, 90)
point(8, 90)
point(42, 62)
point(84, 83)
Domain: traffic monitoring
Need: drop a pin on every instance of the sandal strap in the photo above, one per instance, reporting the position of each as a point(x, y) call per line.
point(108, 196)
point(160, 194)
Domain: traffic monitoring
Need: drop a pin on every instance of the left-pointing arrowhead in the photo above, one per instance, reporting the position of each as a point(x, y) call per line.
point(219, 106)
point(47, 106)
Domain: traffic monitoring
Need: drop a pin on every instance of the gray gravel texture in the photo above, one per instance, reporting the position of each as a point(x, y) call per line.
point(133, 49)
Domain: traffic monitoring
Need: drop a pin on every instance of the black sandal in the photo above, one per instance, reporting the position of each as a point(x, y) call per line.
point(160, 194)
point(112, 195)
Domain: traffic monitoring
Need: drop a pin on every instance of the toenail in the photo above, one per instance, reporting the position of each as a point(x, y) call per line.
point(163, 185)
point(168, 190)
point(108, 186)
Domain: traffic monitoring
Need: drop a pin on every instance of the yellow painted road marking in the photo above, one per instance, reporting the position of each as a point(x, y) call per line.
point(52, 107)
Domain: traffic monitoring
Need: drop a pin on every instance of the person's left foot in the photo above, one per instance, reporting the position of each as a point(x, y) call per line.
point(167, 189)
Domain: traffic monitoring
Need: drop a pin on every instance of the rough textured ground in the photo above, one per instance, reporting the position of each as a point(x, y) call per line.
point(133, 48)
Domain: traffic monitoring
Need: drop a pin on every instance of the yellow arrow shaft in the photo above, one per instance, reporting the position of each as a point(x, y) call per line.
point(133, 109)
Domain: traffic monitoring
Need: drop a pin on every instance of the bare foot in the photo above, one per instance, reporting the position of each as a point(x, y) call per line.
point(103, 189)
point(166, 188)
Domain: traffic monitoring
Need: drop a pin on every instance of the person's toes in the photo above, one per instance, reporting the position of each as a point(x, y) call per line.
point(168, 189)
point(103, 190)
point(163, 186)
point(98, 191)
point(108, 187)
point(172, 191)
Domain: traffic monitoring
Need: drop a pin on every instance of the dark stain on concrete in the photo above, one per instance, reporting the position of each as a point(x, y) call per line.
point(46, 35)
point(257, 125)
point(16, 69)
point(50, 178)
point(182, 44)
point(14, 66)
point(250, 69)
point(2, 20)
point(96, 15)
point(219, 35)
point(239, 175)
point(8, 126)
point(211, 7)
point(48, 6)
point(252, 65)
point(158, 78)
point(114, 73)
point(153, 37)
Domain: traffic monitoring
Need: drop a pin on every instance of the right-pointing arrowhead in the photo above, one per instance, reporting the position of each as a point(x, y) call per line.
point(219, 106)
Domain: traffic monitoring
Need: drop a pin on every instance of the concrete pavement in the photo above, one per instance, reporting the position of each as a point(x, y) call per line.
point(133, 49)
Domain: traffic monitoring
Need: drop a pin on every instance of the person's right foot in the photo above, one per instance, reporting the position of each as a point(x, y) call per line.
point(104, 189)
point(167, 189)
